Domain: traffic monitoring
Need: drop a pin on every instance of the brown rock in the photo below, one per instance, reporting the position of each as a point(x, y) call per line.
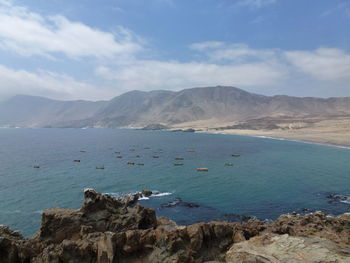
point(273, 248)
point(112, 230)
point(146, 192)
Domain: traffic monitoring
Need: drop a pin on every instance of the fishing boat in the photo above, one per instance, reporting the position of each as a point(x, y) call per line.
point(82, 151)
point(235, 155)
point(202, 169)
point(228, 164)
point(179, 158)
point(131, 163)
point(36, 166)
point(178, 164)
point(100, 167)
point(76, 161)
point(155, 156)
point(119, 157)
point(191, 151)
point(140, 164)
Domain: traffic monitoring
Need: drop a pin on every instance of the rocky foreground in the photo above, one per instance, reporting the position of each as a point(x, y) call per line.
point(112, 230)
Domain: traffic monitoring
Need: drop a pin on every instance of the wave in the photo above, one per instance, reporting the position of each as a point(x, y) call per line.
point(158, 194)
point(301, 141)
point(141, 197)
point(284, 139)
point(340, 198)
point(154, 194)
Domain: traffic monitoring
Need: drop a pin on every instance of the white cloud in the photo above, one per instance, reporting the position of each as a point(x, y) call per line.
point(46, 83)
point(214, 63)
point(323, 64)
point(259, 70)
point(29, 33)
point(147, 75)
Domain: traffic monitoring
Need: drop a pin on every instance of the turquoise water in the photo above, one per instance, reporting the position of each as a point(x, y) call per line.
point(270, 177)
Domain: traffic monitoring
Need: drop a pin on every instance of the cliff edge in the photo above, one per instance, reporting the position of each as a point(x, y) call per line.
point(106, 229)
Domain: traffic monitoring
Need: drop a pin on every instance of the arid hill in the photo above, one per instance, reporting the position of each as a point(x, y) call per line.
point(138, 109)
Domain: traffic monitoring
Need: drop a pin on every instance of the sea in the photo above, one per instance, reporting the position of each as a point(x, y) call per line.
point(247, 177)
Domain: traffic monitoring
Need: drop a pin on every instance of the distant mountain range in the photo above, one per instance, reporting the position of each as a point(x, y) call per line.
point(139, 109)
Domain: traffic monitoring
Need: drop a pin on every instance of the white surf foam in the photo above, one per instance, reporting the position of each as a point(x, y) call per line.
point(143, 198)
point(161, 194)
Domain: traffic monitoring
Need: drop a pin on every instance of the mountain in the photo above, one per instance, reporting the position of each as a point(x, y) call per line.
point(138, 108)
point(30, 111)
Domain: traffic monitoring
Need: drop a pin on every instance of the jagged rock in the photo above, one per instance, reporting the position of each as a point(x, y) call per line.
point(336, 229)
point(110, 230)
point(99, 213)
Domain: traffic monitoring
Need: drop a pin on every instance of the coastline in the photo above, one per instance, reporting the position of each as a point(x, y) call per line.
point(323, 130)
point(285, 138)
point(108, 230)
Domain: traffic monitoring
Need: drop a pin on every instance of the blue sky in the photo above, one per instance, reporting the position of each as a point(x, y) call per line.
point(86, 49)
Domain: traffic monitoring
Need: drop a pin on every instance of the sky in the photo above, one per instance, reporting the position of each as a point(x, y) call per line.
point(99, 49)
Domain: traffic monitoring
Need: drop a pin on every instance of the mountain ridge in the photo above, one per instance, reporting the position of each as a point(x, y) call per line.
point(140, 108)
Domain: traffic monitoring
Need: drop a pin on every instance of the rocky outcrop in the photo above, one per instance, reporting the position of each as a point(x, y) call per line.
point(287, 249)
point(106, 229)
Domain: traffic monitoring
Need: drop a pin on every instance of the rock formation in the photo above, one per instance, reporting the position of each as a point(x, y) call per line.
point(106, 229)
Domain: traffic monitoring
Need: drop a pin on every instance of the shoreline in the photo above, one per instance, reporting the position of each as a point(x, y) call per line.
point(133, 233)
point(257, 134)
point(282, 139)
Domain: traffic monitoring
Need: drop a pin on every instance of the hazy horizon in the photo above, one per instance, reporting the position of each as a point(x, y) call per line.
point(107, 99)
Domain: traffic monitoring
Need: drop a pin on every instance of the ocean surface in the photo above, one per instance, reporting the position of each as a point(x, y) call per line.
point(269, 178)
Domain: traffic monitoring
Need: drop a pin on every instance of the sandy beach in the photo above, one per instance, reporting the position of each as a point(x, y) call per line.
point(334, 131)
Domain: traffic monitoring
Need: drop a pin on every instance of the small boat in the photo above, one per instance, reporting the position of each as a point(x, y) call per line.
point(235, 155)
point(76, 161)
point(119, 156)
point(140, 164)
point(202, 169)
point(155, 156)
point(191, 151)
point(82, 151)
point(36, 166)
point(117, 152)
point(137, 156)
point(100, 167)
point(178, 164)
point(228, 164)
point(179, 158)
point(131, 163)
